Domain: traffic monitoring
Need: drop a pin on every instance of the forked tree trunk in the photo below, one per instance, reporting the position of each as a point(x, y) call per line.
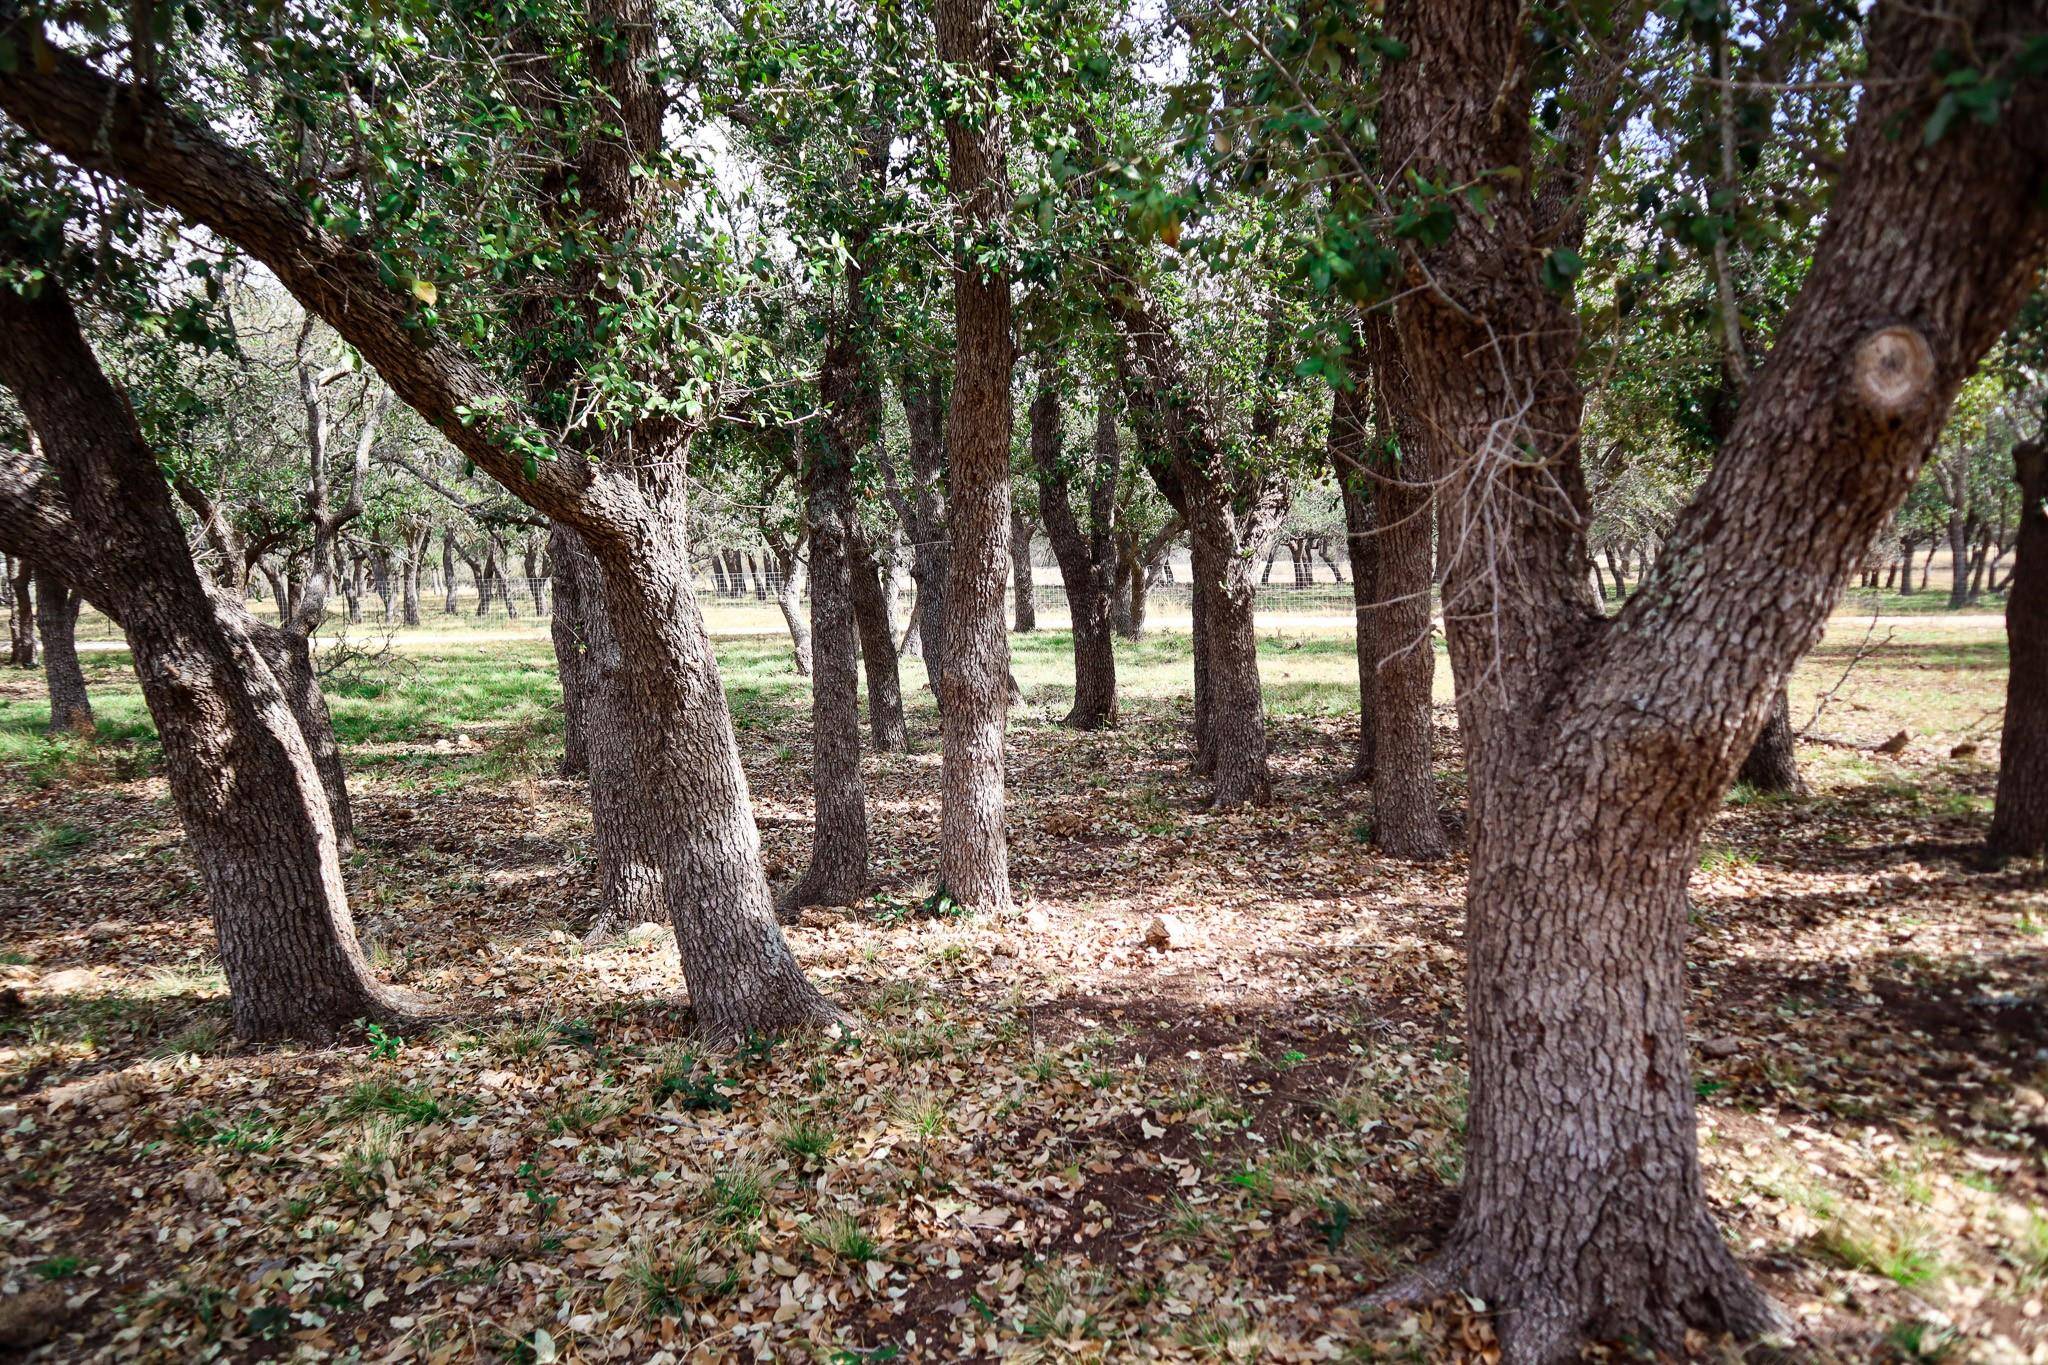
point(974, 860)
point(877, 650)
point(1598, 748)
point(2019, 821)
point(632, 886)
point(689, 792)
point(1773, 761)
point(1087, 559)
point(246, 789)
point(57, 607)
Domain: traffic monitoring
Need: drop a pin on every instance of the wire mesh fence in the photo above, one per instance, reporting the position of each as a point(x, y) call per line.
point(740, 592)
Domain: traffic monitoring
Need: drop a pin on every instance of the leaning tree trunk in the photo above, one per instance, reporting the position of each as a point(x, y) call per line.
point(689, 791)
point(57, 607)
point(1404, 819)
point(248, 795)
point(877, 649)
point(974, 860)
point(789, 598)
point(2019, 822)
point(1773, 761)
point(838, 870)
point(21, 619)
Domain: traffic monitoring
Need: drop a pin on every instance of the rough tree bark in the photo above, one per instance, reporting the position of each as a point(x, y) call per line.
point(631, 881)
point(922, 509)
point(877, 649)
point(624, 492)
point(1024, 600)
point(566, 633)
point(1087, 558)
point(1350, 445)
point(789, 599)
point(1405, 823)
point(838, 870)
point(1598, 748)
point(1772, 764)
point(450, 602)
point(974, 860)
point(247, 792)
point(2019, 821)
point(1229, 517)
point(21, 615)
point(57, 605)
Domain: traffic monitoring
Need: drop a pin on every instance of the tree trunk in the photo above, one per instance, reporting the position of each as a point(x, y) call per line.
point(1350, 442)
point(410, 592)
point(255, 817)
point(1773, 761)
point(1236, 729)
point(1405, 823)
point(789, 597)
point(871, 593)
point(352, 587)
point(974, 860)
point(1959, 561)
point(632, 884)
point(922, 510)
point(21, 619)
point(1087, 560)
point(536, 581)
point(912, 645)
point(838, 870)
point(624, 489)
point(1599, 747)
point(1137, 603)
point(57, 607)
point(449, 605)
point(290, 656)
point(2019, 821)
point(380, 582)
point(1025, 602)
point(573, 596)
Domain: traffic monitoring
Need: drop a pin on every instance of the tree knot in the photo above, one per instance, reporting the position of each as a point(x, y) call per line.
point(1892, 371)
